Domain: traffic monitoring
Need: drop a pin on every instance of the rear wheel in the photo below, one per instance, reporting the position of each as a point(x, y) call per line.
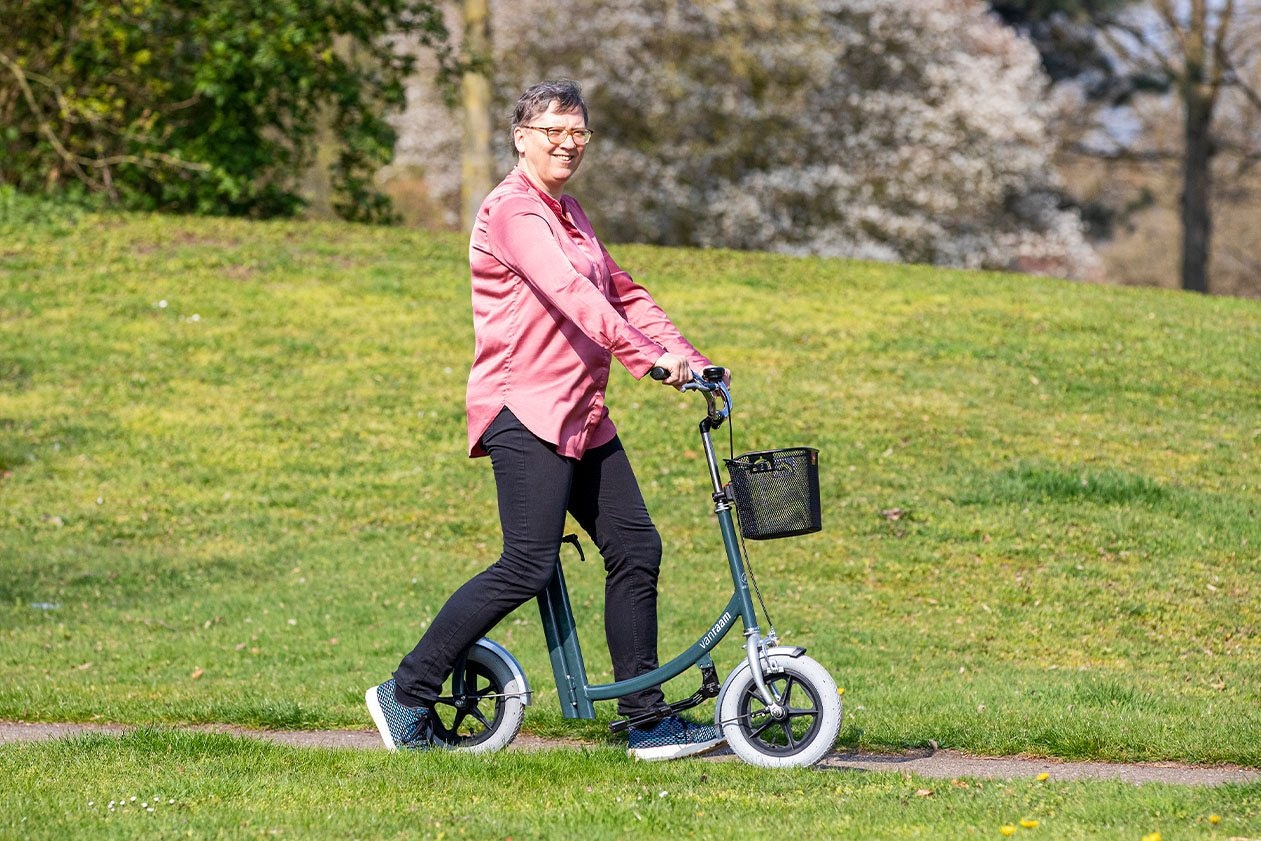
point(487, 715)
point(805, 728)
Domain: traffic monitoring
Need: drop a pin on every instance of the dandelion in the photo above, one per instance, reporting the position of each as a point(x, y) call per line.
point(1043, 777)
point(1007, 829)
point(1028, 824)
point(1152, 836)
point(1215, 819)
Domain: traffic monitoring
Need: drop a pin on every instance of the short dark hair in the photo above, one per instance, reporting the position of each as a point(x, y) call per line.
point(564, 92)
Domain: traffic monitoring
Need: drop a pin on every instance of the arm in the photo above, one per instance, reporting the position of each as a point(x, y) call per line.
point(521, 239)
point(644, 312)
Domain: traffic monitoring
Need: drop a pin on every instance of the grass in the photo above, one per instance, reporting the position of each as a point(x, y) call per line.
point(209, 786)
point(235, 487)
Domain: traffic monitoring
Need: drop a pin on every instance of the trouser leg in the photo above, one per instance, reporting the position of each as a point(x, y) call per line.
point(533, 487)
point(606, 501)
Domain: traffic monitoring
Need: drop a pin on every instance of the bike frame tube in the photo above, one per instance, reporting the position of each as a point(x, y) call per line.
point(556, 613)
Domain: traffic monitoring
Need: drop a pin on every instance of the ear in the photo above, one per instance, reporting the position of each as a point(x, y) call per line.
point(518, 140)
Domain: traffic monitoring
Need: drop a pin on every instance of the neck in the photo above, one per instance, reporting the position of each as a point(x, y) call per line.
point(534, 179)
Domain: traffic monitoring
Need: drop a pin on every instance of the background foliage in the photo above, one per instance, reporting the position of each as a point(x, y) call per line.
point(865, 128)
point(205, 107)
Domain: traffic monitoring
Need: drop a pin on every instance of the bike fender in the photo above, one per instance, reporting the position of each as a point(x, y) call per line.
point(518, 674)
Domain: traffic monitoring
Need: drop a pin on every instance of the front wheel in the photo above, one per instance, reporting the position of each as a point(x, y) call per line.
point(809, 721)
point(486, 716)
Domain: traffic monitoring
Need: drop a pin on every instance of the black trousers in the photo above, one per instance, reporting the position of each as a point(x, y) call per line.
point(536, 486)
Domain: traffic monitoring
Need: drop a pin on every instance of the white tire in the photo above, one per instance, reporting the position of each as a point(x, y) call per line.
point(809, 726)
point(489, 715)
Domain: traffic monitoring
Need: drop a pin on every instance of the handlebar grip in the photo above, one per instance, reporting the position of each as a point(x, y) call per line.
point(658, 373)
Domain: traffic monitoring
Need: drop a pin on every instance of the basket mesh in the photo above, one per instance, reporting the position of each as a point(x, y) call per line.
point(776, 492)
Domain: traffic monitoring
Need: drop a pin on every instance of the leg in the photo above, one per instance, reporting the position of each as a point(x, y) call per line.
point(606, 502)
point(533, 485)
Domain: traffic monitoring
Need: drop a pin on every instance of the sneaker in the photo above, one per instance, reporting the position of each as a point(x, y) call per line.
point(671, 738)
point(400, 726)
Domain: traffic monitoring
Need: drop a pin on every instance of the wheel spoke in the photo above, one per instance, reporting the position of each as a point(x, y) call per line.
point(477, 714)
point(768, 725)
point(788, 733)
point(788, 690)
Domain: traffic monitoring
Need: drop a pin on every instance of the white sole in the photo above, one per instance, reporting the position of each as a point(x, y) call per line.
point(667, 752)
point(378, 718)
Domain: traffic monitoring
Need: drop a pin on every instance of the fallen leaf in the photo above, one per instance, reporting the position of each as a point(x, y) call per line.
point(924, 792)
point(197, 673)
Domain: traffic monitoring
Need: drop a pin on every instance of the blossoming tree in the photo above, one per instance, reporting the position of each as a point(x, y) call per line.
point(864, 128)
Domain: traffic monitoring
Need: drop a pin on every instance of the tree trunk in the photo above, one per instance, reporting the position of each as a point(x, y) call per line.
point(476, 159)
point(1197, 101)
point(1197, 221)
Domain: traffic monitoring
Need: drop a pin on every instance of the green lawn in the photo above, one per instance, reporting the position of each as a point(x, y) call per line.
point(205, 786)
point(234, 488)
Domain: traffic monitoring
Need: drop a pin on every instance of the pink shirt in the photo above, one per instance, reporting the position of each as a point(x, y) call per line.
point(550, 310)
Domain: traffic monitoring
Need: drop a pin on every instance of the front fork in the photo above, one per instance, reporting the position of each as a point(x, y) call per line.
point(755, 644)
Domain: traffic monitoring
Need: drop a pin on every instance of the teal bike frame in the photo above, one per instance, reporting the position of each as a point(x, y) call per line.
point(576, 694)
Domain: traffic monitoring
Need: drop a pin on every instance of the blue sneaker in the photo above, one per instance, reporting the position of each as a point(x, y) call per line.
point(672, 738)
point(400, 726)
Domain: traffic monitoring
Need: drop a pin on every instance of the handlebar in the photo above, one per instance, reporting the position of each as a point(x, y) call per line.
point(709, 383)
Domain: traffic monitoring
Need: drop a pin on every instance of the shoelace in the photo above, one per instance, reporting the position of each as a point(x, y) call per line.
point(419, 732)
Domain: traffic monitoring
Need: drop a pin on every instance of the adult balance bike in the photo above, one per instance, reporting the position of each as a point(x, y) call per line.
point(777, 708)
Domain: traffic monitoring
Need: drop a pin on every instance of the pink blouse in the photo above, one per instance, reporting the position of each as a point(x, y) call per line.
point(550, 310)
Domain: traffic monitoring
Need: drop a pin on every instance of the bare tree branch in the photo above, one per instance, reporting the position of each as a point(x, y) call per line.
point(1220, 58)
point(1235, 79)
point(1134, 155)
point(45, 127)
point(150, 160)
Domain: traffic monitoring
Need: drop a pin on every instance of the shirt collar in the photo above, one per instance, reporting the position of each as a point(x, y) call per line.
point(557, 207)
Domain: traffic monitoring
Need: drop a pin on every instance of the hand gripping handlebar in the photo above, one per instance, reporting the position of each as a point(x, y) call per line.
point(709, 383)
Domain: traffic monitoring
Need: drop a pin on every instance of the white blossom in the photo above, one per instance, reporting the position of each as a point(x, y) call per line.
point(875, 129)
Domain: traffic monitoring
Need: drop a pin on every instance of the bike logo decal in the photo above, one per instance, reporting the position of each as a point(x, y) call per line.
point(716, 631)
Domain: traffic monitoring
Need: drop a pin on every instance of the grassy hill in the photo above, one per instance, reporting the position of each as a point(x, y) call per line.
point(234, 485)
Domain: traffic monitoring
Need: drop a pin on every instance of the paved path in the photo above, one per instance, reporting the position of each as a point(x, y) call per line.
point(944, 764)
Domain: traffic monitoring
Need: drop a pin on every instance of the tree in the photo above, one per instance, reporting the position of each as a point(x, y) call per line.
point(866, 128)
point(1202, 50)
point(1204, 53)
point(477, 160)
point(207, 107)
point(1062, 32)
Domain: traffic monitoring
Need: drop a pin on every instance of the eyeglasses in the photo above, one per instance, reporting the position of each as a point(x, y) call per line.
point(556, 134)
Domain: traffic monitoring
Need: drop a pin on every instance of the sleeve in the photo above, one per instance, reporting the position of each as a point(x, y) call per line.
point(643, 312)
point(519, 237)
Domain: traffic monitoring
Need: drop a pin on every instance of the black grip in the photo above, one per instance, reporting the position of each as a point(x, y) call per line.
point(658, 373)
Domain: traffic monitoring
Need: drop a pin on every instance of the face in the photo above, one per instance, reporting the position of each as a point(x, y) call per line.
point(546, 164)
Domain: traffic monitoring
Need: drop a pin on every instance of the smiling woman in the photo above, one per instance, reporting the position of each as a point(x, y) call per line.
point(551, 310)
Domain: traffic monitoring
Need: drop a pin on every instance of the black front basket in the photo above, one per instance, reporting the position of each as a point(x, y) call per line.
point(776, 492)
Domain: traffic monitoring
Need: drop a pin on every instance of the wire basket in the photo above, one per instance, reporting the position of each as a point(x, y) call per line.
point(777, 492)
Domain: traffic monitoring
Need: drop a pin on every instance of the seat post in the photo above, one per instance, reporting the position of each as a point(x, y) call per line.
point(563, 647)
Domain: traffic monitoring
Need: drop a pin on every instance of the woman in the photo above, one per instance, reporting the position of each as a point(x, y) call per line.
point(550, 311)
